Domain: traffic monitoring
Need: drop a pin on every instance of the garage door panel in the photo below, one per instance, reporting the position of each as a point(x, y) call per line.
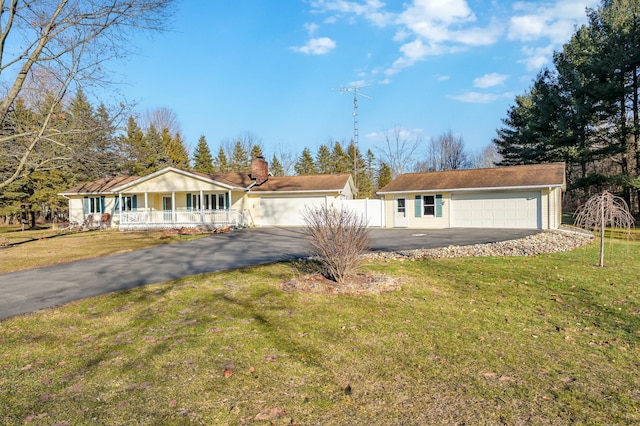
point(286, 211)
point(496, 210)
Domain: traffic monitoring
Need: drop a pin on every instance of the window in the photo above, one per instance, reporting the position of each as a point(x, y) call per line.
point(128, 203)
point(401, 206)
point(429, 205)
point(93, 205)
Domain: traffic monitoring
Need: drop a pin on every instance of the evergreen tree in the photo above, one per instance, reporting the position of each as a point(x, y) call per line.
point(305, 164)
point(324, 161)
point(340, 161)
point(202, 159)
point(366, 182)
point(384, 175)
point(175, 149)
point(239, 159)
point(221, 164)
point(155, 155)
point(256, 151)
point(275, 167)
point(134, 147)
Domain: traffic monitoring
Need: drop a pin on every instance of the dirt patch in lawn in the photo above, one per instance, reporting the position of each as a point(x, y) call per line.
point(355, 284)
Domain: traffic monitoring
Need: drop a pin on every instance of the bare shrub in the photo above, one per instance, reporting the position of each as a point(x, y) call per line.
point(338, 239)
point(604, 210)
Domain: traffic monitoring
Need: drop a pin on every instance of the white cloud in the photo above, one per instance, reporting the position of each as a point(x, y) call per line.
point(489, 80)
point(443, 77)
point(316, 46)
point(481, 98)
point(372, 10)
point(537, 57)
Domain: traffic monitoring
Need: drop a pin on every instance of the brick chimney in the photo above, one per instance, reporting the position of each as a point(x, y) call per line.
point(259, 170)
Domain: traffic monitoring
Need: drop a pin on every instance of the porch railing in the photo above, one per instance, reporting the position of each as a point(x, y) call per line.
point(143, 219)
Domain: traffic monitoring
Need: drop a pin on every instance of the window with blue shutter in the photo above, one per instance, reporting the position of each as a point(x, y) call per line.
point(188, 201)
point(85, 205)
point(418, 206)
point(134, 202)
point(226, 200)
point(116, 204)
point(438, 205)
point(102, 204)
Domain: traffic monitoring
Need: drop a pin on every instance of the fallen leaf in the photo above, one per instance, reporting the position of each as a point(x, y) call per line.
point(252, 369)
point(228, 372)
point(173, 403)
point(271, 414)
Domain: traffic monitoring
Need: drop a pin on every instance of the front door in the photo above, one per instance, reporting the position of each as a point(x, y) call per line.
point(167, 207)
point(400, 218)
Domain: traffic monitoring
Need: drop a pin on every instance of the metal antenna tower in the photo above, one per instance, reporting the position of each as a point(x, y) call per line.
point(356, 92)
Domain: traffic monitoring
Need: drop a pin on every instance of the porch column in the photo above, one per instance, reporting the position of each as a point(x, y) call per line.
point(146, 206)
point(120, 205)
point(173, 206)
point(229, 208)
point(201, 206)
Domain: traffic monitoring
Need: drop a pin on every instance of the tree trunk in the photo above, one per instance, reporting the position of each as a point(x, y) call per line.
point(602, 224)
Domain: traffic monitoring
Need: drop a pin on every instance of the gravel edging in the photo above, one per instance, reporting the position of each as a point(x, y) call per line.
point(550, 241)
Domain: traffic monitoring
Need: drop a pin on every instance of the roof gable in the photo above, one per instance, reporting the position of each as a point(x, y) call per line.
point(525, 176)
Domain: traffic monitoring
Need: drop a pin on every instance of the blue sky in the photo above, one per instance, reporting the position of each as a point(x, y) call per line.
point(268, 67)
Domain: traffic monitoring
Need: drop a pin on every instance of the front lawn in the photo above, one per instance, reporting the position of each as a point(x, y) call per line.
point(44, 247)
point(546, 340)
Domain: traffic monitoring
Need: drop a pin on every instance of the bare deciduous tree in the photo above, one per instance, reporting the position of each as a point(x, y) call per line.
point(338, 238)
point(69, 41)
point(604, 210)
point(162, 118)
point(486, 158)
point(399, 149)
point(446, 152)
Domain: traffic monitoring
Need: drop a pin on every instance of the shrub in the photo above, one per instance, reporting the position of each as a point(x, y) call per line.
point(338, 239)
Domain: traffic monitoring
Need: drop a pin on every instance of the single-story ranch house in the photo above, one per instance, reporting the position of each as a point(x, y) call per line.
point(526, 196)
point(175, 198)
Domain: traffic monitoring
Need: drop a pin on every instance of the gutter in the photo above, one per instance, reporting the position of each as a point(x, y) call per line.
point(493, 188)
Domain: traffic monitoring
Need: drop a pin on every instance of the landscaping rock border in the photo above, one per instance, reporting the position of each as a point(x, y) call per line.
point(564, 239)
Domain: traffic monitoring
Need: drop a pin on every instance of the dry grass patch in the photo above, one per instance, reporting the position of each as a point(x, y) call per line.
point(544, 340)
point(38, 248)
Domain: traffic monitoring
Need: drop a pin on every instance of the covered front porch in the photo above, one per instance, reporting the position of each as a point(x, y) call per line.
point(176, 210)
point(160, 219)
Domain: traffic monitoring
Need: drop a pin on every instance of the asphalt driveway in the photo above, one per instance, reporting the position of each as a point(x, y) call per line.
point(31, 290)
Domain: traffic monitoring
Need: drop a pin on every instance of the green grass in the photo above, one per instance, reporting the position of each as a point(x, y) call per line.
point(545, 340)
point(44, 247)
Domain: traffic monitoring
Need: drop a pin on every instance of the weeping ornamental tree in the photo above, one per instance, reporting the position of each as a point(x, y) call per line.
point(604, 210)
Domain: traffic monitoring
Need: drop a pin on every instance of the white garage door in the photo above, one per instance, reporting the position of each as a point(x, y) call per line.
point(496, 210)
point(284, 211)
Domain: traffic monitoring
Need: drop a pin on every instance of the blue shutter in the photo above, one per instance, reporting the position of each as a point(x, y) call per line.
point(418, 206)
point(85, 205)
point(188, 201)
point(134, 202)
point(116, 204)
point(102, 204)
point(226, 201)
point(438, 205)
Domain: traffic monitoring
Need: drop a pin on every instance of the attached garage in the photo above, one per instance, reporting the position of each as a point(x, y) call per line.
point(287, 211)
point(496, 210)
